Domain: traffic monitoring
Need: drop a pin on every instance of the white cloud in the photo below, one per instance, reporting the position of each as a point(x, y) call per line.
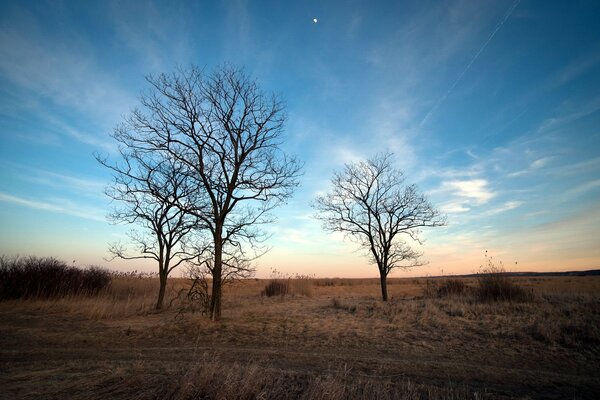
point(475, 189)
point(454, 207)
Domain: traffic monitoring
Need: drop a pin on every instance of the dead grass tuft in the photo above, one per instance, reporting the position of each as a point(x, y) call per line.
point(445, 288)
point(276, 288)
point(340, 305)
point(302, 285)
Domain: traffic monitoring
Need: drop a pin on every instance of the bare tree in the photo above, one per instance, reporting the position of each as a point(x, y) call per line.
point(227, 133)
point(371, 204)
point(148, 189)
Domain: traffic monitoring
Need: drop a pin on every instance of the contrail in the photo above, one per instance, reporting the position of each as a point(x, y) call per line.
point(464, 71)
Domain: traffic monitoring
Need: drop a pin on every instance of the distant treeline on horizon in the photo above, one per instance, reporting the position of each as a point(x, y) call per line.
point(590, 272)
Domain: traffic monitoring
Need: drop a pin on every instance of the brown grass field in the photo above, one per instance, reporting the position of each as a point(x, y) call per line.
point(328, 339)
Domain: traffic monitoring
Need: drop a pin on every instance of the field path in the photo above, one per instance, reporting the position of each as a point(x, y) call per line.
point(57, 350)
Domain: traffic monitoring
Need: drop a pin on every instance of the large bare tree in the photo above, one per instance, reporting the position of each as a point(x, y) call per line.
point(227, 133)
point(370, 202)
point(147, 189)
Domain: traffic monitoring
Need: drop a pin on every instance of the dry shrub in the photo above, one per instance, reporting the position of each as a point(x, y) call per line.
point(494, 285)
point(276, 288)
point(445, 288)
point(47, 277)
point(195, 295)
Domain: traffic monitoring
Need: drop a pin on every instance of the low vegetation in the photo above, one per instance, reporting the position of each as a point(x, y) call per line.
point(280, 285)
point(47, 277)
point(492, 284)
point(276, 288)
point(323, 339)
point(213, 379)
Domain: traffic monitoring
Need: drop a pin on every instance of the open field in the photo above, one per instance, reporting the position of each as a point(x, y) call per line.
point(328, 339)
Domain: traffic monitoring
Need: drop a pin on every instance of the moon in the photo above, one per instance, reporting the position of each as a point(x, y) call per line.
point(315, 20)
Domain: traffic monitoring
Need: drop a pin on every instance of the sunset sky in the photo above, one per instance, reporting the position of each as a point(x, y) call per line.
point(491, 107)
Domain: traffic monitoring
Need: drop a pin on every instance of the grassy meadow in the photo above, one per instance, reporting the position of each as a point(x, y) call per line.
point(323, 339)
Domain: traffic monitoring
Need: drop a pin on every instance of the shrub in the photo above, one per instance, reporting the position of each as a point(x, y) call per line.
point(447, 287)
point(276, 288)
point(196, 294)
point(47, 277)
point(495, 285)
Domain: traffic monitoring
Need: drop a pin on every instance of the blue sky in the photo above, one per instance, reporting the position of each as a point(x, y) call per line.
point(491, 107)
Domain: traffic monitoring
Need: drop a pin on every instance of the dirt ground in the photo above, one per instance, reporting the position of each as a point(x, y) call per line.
point(116, 346)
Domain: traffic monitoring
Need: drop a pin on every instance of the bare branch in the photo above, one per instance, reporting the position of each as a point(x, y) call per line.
point(222, 134)
point(370, 203)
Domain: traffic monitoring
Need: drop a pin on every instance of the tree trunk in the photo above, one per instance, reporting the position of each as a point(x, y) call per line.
point(215, 300)
point(383, 280)
point(161, 290)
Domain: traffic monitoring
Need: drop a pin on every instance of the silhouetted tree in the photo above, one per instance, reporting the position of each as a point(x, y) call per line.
point(148, 188)
point(370, 203)
point(227, 133)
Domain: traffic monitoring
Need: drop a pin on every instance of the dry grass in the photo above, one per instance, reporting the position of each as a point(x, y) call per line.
point(47, 277)
point(333, 340)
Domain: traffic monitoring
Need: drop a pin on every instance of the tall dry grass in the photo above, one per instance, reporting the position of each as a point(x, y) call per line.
point(126, 296)
point(279, 285)
point(47, 277)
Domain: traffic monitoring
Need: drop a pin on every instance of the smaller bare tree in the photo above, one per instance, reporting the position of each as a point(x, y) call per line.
point(371, 204)
point(148, 189)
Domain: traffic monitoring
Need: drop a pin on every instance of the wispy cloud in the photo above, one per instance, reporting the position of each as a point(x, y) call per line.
point(74, 184)
point(499, 25)
point(61, 206)
point(157, 36)
point(79, 184)
point(66, 75)
point(44, 75)
point(569, 113)
point(591, 166)
point(576, 68)
point(533, 166)
point(585, 187)
point(509, 205)
point(541, 162)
